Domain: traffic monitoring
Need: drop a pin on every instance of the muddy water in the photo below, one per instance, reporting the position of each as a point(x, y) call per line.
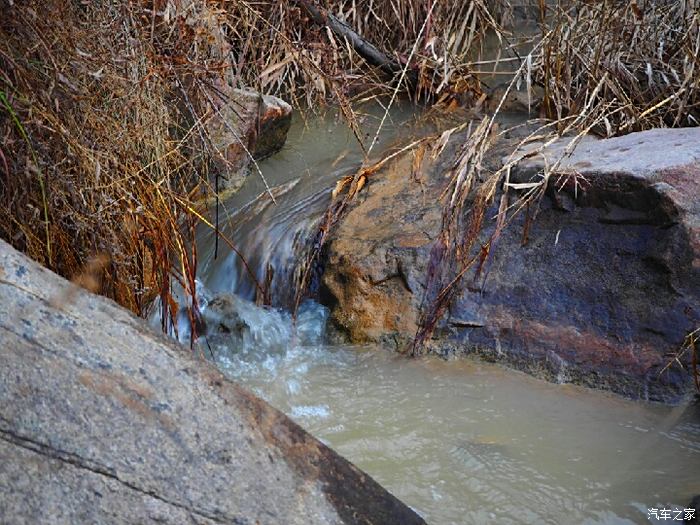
point(465, 442)
point(461, 442)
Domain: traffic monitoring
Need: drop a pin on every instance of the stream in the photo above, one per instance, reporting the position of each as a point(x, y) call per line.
point(459, 441)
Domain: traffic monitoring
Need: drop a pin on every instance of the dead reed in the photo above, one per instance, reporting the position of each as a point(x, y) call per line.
point(301, 48)
point(99, 154)
point(640, 58)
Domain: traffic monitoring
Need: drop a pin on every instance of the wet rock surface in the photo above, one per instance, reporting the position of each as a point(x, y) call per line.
point(695, 505)
point(603, 292)
point(102, 420)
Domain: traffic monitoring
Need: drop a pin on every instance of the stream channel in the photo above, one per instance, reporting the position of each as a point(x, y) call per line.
point(460, 441)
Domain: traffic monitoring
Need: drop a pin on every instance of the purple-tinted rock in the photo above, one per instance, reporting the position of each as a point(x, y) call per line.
point(602, 294)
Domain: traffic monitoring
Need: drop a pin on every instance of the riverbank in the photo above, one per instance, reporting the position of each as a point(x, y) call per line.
point(132, 164)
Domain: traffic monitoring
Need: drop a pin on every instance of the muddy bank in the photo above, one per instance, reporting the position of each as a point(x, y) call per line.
point(103, 420)
point(605, 289)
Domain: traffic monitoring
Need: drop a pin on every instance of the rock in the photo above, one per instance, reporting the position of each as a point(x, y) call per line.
point(220, 329)
point(275, 120)
point(246, 124)
point(651, 177)
point(222, 316)
point(103, 420)
point(695, 505)
point(515, 101)
point(603, 293)
point(375, 263)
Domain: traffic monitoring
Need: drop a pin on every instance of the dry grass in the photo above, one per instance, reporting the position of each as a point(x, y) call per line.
point(98, 158)
point(279, 49)
point(640, 58)
point(690, 350)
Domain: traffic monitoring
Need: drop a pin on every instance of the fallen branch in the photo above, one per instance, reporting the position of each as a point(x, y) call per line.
point(365, 49)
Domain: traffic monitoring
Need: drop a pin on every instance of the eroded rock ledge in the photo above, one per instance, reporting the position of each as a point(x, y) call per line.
point(103, 420)
point(605, 290)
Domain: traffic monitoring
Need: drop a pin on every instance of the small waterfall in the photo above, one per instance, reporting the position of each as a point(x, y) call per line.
point(227, 324)
point(239, 333)
point(273, 238)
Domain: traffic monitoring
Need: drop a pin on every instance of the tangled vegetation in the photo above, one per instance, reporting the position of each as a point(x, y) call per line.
point(628, 66)
point(98, 163)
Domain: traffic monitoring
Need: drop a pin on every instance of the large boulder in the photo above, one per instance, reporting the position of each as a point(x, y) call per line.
point(602, 294)
point(103, 420)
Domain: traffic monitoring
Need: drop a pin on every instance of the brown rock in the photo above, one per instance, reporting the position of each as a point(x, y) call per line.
point(245, 126)
point(375, 262)
point(603, 293)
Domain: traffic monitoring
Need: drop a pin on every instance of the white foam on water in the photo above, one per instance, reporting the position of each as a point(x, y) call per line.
point(310, 412)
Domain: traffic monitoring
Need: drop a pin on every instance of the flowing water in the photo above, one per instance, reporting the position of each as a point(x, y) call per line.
point(459, 441)
point(319, 152)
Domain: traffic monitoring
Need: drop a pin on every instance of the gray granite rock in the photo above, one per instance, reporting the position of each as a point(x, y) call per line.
point(103, 420)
